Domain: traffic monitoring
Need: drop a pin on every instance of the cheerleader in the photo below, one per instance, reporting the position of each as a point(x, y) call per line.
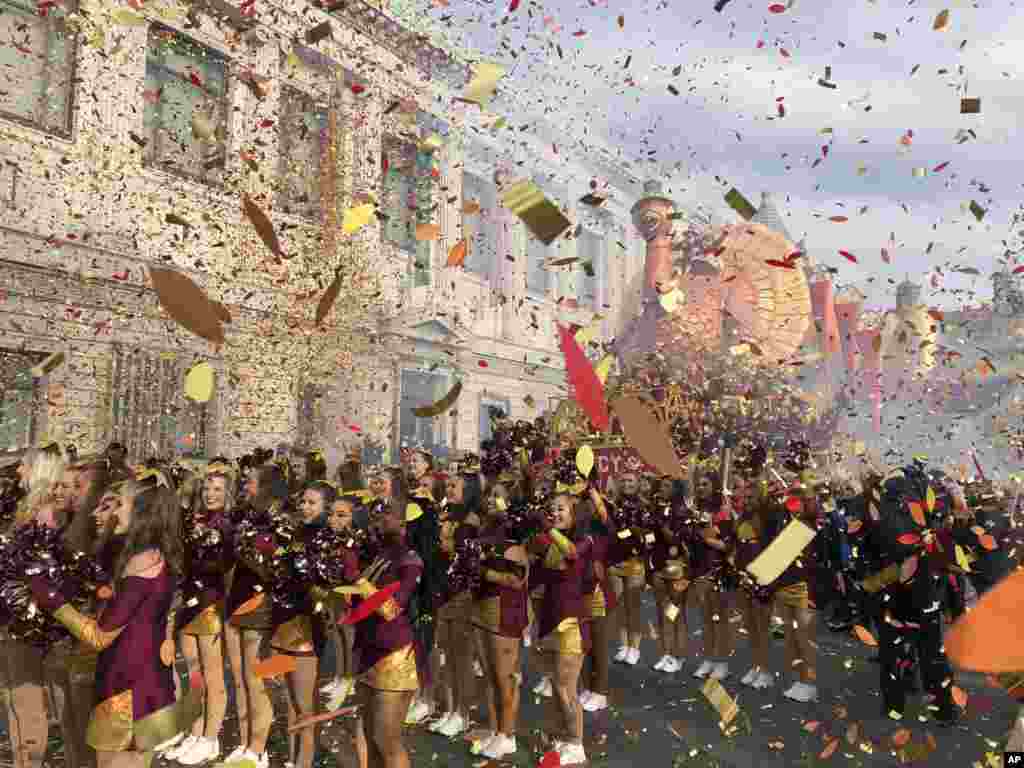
point(631, 518)
point(343, 635)
point(40, 470)
point(500, 616)
point(669, 562)
point(198, 623)
point(248, 625)
point(137, 711)
point(755, 602)
point(711, 546)
point(385, 645)
point(598, 604)
point(460, 521)
point(560, 567)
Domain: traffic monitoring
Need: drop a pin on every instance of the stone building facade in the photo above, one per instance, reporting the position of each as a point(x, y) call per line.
point(101, 177)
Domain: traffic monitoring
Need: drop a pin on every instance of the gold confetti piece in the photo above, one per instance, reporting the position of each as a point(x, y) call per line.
point(485, 81)
point(720, 699)
point(427, 232)
point(977, 210)
point(778, 556)
point(127, 18)
point(920, 173)
point(543, 218)
point(603, 367)
point(670, 301)
point(49, 365)
point(585, 460)
point(740, 204)
point(672, 612)
point(470, 207)
point(442, 405)
point(201, 127)
point(199, 383)
point(941, 20)
point(356, 218)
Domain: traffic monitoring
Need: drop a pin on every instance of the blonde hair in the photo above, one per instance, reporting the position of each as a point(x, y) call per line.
point(46, 465)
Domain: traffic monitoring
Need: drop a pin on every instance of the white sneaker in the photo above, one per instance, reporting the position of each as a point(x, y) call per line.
point(453, 726)
point(751, 676)
point(543, 688)
point(481, 744)
point(331, 687)
point(633, 657)
point(659, 665)
point(596, 703)
point(418, 712)
point(802, 692)
point(500, 747)
point(170, 744)
point(720, 672)
point(763, 680)
point(437, 725)
point(182, 747)
point(704, 669)
point(571, 754)
point(235, 756)
point(672, 665)
point(478, 668)
point(622, 653)
point(203, 751)
point(242, 755)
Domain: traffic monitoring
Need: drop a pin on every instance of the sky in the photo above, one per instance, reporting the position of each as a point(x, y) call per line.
point(895, 108)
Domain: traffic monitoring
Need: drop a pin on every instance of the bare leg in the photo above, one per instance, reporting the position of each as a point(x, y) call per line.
point(127, 759)
point(503, 666)
point(619, 616)
point(301, 687)
point(633, 597)
point(679, 628)
point(483, 642)
point(261, 711)
point(26, 704)
point(211, 664)
point(666, 636)
point(386, 711)
point(565, 682)
point(233, 644)
point(721, 604)
point(189, 647)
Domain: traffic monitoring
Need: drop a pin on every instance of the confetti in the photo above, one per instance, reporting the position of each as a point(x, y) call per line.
point(442, 405)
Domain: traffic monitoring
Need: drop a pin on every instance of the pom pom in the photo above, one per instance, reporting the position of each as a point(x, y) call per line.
point(466, 570)
point(36, 550)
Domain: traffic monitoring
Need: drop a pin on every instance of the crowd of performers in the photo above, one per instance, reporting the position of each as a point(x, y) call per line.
point(423, 580)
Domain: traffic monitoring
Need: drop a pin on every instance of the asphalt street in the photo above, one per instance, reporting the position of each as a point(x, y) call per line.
point(663, 721)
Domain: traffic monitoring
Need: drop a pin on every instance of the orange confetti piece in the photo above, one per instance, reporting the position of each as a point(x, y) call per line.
point(426, 232)
point(276, 666)
point(909, 539)
point(977, 530)
point(959, 697)
point(865, 636)
point(929, 739)
point(901, 737)
point(838, 219)
point(987, 542)
point(457, 255)
point(917, 512)
point(829, 750)
point(854, 526)
point(977, 641)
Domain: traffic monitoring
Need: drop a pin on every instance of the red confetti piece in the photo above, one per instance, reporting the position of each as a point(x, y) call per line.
point(550, 760)
point(838, 219)
point(784, 52)
point(579, 33)
point(824, 151)
point(587, 388)
point(482, 363)
point(194, 78)
point(885, 256)
point(760, 44)
point(940, 167)
point(776, 8)
point(1018, 270)
point(909, 539)
point(266, 123)
point(781, 264)
point(513, 6)
point(780, 98)
point(793, 504)
point(781, 110)
point(794, 255)
point(848, 256)
point(357, 88)
point(937, 315)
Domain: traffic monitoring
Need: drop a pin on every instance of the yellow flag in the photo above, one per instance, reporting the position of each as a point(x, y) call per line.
point(357, 218)
point(603, 367)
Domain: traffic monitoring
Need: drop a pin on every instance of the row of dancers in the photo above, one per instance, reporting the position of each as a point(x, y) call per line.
point(425, 578)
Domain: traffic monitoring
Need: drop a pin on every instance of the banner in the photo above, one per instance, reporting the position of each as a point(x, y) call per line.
point(613, 461)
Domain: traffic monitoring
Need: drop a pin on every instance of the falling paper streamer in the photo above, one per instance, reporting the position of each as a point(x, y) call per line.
point(309, 722)
point(585, 460)
point(262, 225)
point(187, 304)
point(978, 640)
point(543, 218)
point(740, 204)
point(199, 383)
point(442, 405)
point(327, 300)
point(368, 606)
point(604, 367)
point(277, 665)
point(648, 436)
point(428, 232)
point(970, 106)
point(724, 704)
point(457, 255)
point(485, 81)
point(781, 553)
point(941, 20)
point(49, 365)
point(357, 218)
point(587, 388)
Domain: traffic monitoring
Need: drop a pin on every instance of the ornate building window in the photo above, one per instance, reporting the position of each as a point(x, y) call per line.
point(421, 388)
point(537, 255)
point(590, 248)
point(19, 407)
point(150, 414)
point(303, 127)
point(480, 227)
point(37, 65)
point(186, 106)
point(408, 192)
point(487, 404)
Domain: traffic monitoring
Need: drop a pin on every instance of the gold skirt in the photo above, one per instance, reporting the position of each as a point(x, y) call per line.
point(795, 596)
point(595, 606)
point(459, 608)
point(394, 672)
point(294, 636)
point(207, 622)
point(112, 727)
point(566, 638)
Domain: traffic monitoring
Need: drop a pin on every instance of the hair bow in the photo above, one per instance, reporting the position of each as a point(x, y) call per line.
point(148, 474)
point(574, 490)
